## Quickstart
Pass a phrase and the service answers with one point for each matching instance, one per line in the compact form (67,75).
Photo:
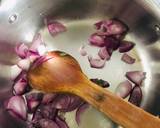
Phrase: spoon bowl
(62,73)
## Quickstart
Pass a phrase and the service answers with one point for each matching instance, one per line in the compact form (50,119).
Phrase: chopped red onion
(111,27)
(103,53)
(136,77)
(40,60)
(33,100)
(48,98)
(33,55)
(126,46)
(36,42)
(117,27)
(37,115)
(20,86)
(16,106)
(123,89)
(48,111)
(80,111)
(47,123)
(24,64)
(100,82)
(111,43)
(82,51)
(54,27)
(75,102)
(96,62)
(128,59)
(136,96)
(96,40)
(61,101)
(61,123)
(15,72)
(21,50)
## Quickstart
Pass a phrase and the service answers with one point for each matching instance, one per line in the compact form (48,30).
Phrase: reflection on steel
(137,14)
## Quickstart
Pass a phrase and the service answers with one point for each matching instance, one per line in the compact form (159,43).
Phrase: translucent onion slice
(123,89)
(80,111)
(21,50)
(54,27)
(136,77)
(96,62)
(136,96)
(128,59)
(16,106)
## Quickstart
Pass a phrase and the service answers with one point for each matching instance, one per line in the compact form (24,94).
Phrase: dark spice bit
(100,82)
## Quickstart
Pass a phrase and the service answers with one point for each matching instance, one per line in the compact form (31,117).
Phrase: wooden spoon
(62,73)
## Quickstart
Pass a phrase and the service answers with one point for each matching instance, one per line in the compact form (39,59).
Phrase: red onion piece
(36,42)
(80,111)
(61,101)
(117,27)
(37,115)
(61,123)
(33,55)
(40,60)
(98,24)
(128,59)
(54,27)
(82,51)
(96,40)
(33,100)
(20,86)
(21,50)
(136,77)
(136,96)
(75,102)
(16,106)
(126,46)
(96,62)
(103,53)
(48,111)
(123,89)
(112,43)
(47,123)
(15,72)
(24,64)
(100,82)
(112,27)
(48,98)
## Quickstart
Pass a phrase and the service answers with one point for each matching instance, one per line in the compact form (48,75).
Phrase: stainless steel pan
(21,19)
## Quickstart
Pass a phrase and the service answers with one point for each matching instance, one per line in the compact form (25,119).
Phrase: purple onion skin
(48,111)
(123,89)
(17,108)
(46,123)
(126,46)
(136,96)
(80,111)
(75,102)
(37,115)
(128,59)
(48,98)
(136,77)
(96,40)
(104,54)
(61,123)
(111,43)
(96,62)
(33,98)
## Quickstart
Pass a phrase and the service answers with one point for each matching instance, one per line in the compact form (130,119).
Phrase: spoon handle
(122,112)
